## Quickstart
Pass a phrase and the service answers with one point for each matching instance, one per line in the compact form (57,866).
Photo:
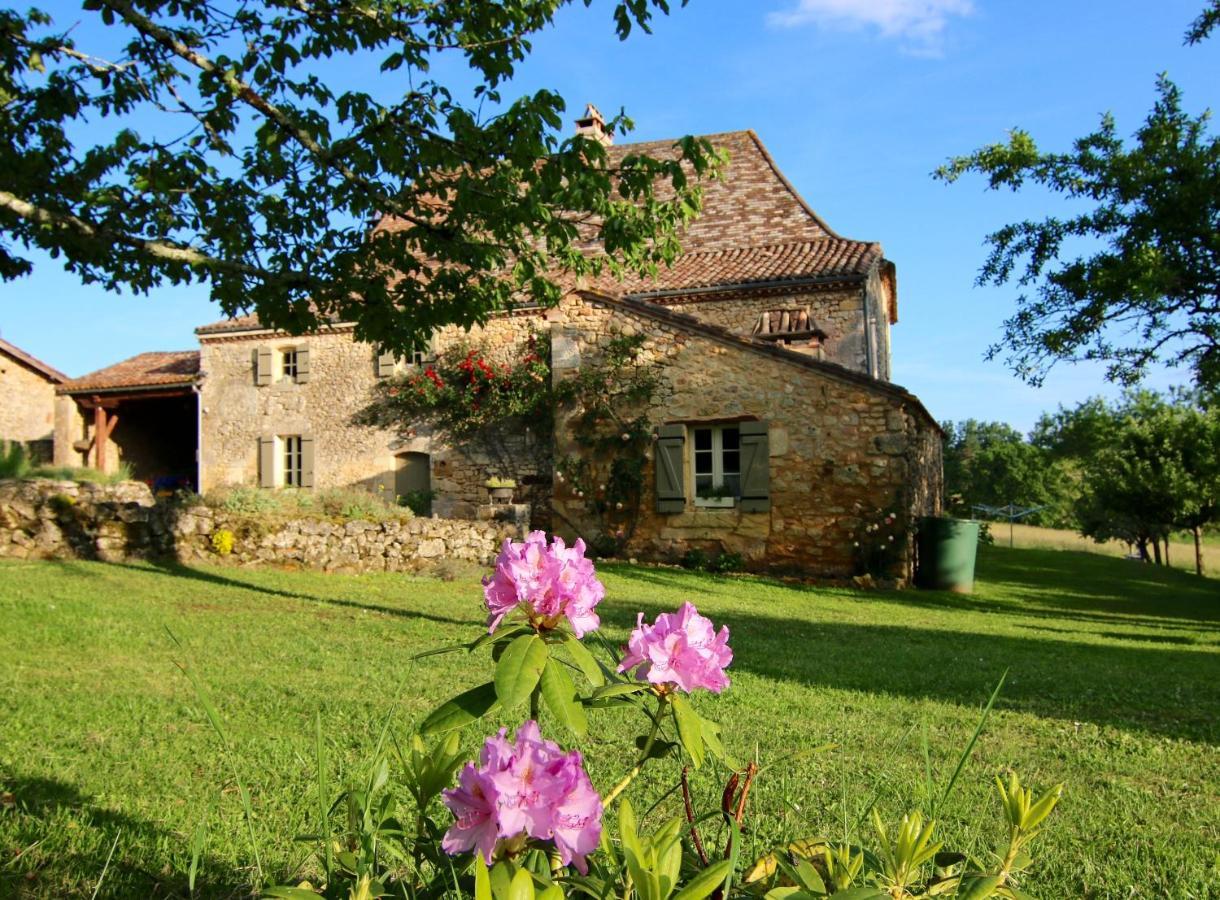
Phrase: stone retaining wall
(42,519)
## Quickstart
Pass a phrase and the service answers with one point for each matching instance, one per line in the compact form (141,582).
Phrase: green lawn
(1114,688)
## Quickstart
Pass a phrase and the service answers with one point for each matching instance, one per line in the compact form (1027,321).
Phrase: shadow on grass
(173,569)
(1066,674)
(64,840)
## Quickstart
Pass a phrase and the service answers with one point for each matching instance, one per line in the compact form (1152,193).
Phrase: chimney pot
(593,126)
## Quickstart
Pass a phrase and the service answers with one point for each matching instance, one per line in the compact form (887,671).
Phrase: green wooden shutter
(307,460)
(302,364)
(670,454)
(264,361)
(266,462)
(385,365)
(755,467)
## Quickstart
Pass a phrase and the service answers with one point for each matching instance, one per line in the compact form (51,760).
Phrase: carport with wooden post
(143,412)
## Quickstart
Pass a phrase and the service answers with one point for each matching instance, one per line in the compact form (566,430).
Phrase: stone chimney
(593,126)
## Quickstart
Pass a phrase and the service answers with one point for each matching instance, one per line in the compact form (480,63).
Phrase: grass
(1181,546)
(106,755)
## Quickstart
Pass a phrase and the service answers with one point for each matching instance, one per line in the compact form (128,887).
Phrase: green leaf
(519,669)
(585,661)
(522,886)
(560,696)
(861,893)
(809,878)
(463,709)
(482,884)
(979,888)
(706,881)
(618,689)
(690,728)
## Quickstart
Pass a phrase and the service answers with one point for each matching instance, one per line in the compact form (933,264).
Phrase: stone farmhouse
(27,412)
(771,332)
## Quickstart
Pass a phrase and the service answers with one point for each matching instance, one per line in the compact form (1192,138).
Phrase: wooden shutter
(670,454)
(755,467)
(302,364)
(307,445)
(266,462)
(264,362)
(385,365)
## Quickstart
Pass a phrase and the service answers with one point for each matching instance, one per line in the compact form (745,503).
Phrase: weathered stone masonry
(41,519)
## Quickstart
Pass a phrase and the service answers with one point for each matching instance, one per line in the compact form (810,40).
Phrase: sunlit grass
(1112,688)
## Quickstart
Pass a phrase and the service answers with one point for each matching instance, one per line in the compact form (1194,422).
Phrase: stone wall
(236,412)
(42,519)
(840,448)
(27,413)
(838,311)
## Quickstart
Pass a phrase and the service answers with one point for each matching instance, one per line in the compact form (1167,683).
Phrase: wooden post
(99,437)
(103,427)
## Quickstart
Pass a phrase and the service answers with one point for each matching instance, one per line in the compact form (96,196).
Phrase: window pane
(731,439)
(732,462)
(703,483)
(703,463)
(703,439)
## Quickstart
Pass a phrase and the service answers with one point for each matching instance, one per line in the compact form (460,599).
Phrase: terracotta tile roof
(154,370)
(821,258)
(49,372)
(754,228)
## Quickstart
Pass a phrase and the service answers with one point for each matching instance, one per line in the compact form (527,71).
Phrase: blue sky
(857,100)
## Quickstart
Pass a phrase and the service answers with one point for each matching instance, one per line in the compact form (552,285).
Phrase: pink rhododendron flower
(525,786)
(680,649)
(549,582)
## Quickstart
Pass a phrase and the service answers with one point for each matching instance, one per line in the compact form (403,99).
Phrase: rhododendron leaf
(626,829)
(979,888)
(861,893)
(482,883)
(659,748)
(706,881)
(501,876)
(463,709)
(584,659)
(522,886)
(808,877)
(552,892)
(618,689)
(519,669)
(787,893)
(560,695)
(690,728)
(500,636)
(711,737)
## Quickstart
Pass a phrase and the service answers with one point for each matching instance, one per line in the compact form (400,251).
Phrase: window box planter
(716,502)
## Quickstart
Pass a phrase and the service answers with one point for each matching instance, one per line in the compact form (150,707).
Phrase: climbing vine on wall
(503,409)
(608,403)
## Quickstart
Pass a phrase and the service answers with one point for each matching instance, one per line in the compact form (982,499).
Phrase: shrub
(223,541)
(524,821)
(728,562)
(14,460)
(419,502)
(694,559)
(244,500)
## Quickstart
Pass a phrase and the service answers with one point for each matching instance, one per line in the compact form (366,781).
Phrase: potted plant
(501,489)
(721,497)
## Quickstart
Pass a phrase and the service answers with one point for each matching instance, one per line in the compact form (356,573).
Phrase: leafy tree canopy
(216,145)
(1131,279)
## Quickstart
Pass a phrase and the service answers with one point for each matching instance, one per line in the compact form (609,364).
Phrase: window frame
(719,473)
(291,461)
(289,364)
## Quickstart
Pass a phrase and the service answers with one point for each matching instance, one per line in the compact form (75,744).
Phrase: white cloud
(919,24)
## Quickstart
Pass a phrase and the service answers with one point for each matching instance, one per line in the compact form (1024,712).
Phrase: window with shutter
(266,462)
(670,476)
(307,456)
(755,467)
(264,360)
(716,458)
(302,355)
(385,365)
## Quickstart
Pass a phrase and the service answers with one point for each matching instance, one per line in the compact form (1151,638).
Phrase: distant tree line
(1135,470)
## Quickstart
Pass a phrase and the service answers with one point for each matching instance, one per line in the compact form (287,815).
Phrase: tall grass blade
(218,726)
(961,763)
(323,795)
(105,868)
(197,844)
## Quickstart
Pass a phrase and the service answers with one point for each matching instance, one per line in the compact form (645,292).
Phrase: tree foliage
(218,145)
(1146,466)
(1129,277)
(991,463)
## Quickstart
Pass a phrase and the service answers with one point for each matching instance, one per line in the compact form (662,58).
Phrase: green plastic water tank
(947,548)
